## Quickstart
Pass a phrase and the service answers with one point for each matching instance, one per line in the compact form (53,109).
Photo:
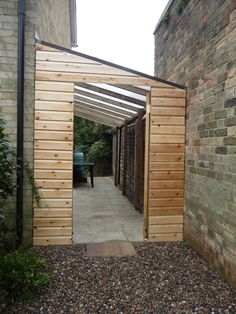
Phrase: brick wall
(8,95)
(198,49)
(53,22)
(49,26)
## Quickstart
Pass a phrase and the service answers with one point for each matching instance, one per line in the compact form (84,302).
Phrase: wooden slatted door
(53,162)
(166,164)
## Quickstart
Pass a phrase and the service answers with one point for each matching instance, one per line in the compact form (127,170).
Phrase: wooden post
(125,156)
(146,167)
(116,158)
(138,160)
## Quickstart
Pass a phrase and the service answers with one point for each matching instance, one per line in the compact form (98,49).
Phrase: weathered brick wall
(50,15)
(8,95)
(53,22)
(198,49)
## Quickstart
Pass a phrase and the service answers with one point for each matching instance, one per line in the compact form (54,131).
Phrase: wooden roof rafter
(102,110)
(98,118)
(107,100)
(111,93)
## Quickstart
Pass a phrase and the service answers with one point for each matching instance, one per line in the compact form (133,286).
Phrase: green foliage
(99,150)
(94,140)
(181,4)
(21,274)
(7,165)
(166,18)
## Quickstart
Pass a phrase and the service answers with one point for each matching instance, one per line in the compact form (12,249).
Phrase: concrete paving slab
(102,214)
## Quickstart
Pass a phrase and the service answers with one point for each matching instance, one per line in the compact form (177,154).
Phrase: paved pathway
(103,214)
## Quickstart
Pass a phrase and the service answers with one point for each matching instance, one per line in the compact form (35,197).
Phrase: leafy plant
(7,182)
(7,165)
(99,150)
(166,18)
(21,274)
(94,140)
(181,4)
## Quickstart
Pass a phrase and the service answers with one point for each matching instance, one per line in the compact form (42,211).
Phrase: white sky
(120,31)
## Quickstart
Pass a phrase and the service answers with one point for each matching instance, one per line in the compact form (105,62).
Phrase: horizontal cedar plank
(53,164)
(167,92)
(54,116)
(159,111)
(165,237)
(53,135)
(52,222)
(52,212)
(55,193)
(52,174)
(164,220)
(54,184)
(159,211)
(174,139)
(166,129)
(171,228)
(52,231)
(166,184)
(47,154)
(40,47)
(167,148)
(52,240)
(165,202)
(54,86)
(50,145)
(53,125)
(166,157)
(70,67)
(55,203)
(168,102)
(95,78)
(62,57)
(167,120)
(57,96)
(161,165)
(166,175)
(54,105)
(164,193)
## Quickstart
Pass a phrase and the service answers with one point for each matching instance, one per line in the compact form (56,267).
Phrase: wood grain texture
(166,169)
(56,73)
(65,240)
(168,237)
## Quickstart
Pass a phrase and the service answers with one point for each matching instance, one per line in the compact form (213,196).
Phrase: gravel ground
(161,278)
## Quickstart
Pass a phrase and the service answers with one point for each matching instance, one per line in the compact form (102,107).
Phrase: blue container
(79,158)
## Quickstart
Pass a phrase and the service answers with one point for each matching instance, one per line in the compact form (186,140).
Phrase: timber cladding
(56,73)
(166,165)
(53,162)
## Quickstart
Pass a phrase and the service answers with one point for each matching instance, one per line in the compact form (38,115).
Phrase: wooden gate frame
(58,71)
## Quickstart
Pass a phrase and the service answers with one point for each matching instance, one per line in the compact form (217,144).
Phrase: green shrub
(99,150)
(21,274)
(7,165)
(166,18)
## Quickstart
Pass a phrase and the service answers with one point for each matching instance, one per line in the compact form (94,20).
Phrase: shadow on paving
(161,278)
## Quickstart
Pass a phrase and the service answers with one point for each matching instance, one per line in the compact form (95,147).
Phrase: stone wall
(198,49)
(53,22)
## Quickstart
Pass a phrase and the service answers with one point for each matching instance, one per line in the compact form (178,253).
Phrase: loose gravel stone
(161,278)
